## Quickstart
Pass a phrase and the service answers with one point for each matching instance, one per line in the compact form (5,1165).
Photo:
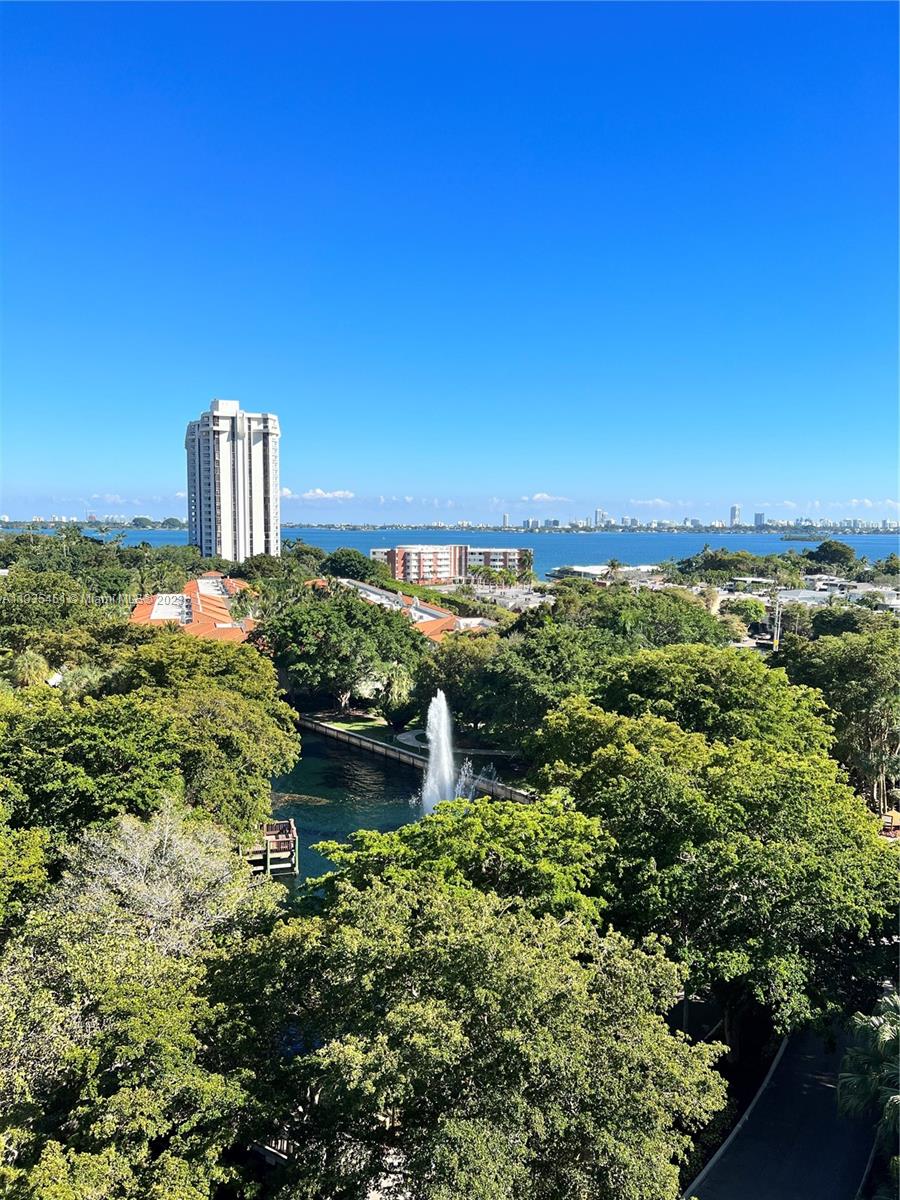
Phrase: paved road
(794,1145)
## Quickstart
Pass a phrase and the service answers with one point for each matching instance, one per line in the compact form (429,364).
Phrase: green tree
(746,608)
(28,669)
(331,642)
(834,619)
(395,697)
(174,661)
(347,563)
(24,859)
(857,675)
(720,565)
(643,617)
(836,555)
(890,565)
(109,1086)
(228,750)
(551,857)
(727,849)
(526,565)
(70,763)
(797,619)
(74,760)
(532,672)
(454,1044)
(869,1083)
(725,693)
(38,599)
(458,667)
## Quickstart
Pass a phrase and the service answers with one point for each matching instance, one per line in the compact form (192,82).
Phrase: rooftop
(201,609)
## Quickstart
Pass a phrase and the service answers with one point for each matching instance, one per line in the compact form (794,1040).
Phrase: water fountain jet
(441,779)
(440,776)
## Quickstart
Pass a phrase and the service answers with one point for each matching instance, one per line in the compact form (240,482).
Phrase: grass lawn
(366,726)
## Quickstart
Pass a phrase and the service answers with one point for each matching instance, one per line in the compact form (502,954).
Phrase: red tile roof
(210,615)
(435,630)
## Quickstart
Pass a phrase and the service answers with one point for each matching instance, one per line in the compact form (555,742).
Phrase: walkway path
(794,1145)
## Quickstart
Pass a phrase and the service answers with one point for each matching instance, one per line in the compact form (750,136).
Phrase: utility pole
(776,621)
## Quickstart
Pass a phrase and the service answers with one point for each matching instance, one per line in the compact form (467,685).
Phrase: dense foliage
(480,1003)
(857,673)
(330,644)
(456,1044)
(727,848)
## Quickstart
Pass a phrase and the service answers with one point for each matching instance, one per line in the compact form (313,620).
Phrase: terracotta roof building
(202,609)
(431,621)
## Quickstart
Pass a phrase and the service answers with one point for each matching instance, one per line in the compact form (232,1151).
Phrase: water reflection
(334,790)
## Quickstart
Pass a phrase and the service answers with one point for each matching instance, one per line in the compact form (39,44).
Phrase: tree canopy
(727,849)
(724,693)
(857,675)
(109,1085)
(331,643)
(551,857)
(454,1043)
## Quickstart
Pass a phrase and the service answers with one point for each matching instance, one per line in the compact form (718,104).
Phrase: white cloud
(109,497)
(546,498)
(180,495)
(319,494)
(656,502)
(409,499)
(864,503)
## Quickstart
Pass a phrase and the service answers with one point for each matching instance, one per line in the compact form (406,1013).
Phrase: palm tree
(81,681)
(869,1082)
(396,690)
(28,669)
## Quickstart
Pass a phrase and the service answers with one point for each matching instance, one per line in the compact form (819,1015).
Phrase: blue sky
(478,258)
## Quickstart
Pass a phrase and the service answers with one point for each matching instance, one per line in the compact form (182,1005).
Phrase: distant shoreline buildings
(233,489)
(446,564)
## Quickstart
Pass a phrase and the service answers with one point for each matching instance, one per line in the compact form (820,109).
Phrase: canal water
(334,790)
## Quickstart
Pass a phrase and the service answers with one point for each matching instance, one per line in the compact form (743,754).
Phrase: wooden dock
(278,851)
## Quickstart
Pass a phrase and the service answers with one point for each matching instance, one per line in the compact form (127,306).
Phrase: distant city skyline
(494,512)
(532,259)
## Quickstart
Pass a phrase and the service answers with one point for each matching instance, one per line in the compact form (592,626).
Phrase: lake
(334,790)
(555,549)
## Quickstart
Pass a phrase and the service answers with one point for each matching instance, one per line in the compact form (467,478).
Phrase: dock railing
(486,787)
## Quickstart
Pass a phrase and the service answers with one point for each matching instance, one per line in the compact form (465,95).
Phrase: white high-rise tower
(233,491)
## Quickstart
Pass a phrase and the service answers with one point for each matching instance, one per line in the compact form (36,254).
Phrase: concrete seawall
(490,787)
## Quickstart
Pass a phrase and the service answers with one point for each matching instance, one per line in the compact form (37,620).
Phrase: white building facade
(233,489)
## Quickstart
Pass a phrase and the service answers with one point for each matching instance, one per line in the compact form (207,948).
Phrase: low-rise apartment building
(445,564)
(202,609)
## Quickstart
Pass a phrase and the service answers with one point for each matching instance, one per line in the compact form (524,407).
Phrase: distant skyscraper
(233,489)
(759,520)
(735,518)
(506,520)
